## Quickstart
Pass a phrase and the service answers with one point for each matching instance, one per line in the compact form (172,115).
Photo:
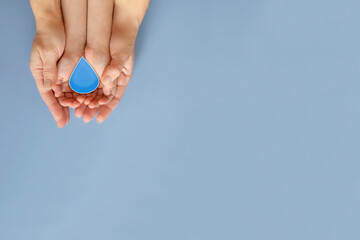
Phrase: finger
(80,98)
(106,99)
(113,70)
(95,102)
(109,89)
(124,77)
(62,123)
(89,97)
(74,104)
(106,110)
(57,90)
(64,101)
(48,97)
(55,108)
(121,66)
(49,60)
(89,114)
(122,43)
(127,71)
(68,98)
(66,66)
(123,80)
(66,88)
(67,115)
(36,68)
(71,103)
(79,111)
(121,62)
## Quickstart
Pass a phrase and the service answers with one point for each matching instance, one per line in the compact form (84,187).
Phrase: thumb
(66,66)
(113,70)
(49,70)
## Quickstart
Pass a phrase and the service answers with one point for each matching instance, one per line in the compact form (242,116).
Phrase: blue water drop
(83,79)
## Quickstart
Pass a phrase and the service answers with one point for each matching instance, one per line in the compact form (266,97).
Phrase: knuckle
(114,71)
(49,68)
(49,72)
(35,70)
(124,80)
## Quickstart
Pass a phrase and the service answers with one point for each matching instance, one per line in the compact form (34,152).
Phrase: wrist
(131,12)
(75,47)
(47,15)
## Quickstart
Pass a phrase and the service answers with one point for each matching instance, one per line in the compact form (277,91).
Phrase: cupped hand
(96,53)
(65,95)
(127,17)
(109,32)
(75,19)
(47,48)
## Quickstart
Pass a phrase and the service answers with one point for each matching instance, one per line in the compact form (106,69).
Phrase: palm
(88,104)
(67,97)
(46,50)
(104,110)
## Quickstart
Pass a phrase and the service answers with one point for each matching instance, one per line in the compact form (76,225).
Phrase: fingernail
(47,83)
(108,79)
(99,120)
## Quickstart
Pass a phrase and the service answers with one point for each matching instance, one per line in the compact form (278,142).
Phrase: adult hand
(47,48)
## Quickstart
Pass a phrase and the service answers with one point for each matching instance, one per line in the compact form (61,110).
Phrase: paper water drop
(83,79)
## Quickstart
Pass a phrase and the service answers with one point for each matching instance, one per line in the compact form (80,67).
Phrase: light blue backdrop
(241,122)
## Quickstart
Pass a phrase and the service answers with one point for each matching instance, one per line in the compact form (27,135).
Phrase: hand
(49,44)
(97,51)
(75,26)
(127,18)
(74,15)
(47,48)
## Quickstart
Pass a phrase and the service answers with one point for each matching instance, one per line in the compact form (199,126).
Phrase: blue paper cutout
(83,79)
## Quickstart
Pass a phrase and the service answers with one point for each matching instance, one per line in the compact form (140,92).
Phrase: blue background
(241,122)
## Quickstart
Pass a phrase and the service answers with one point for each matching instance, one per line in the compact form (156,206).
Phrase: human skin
(107,40)
(127,17)
(96,33)
(48,46)
(70,18)
(97,52)
(75,19)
